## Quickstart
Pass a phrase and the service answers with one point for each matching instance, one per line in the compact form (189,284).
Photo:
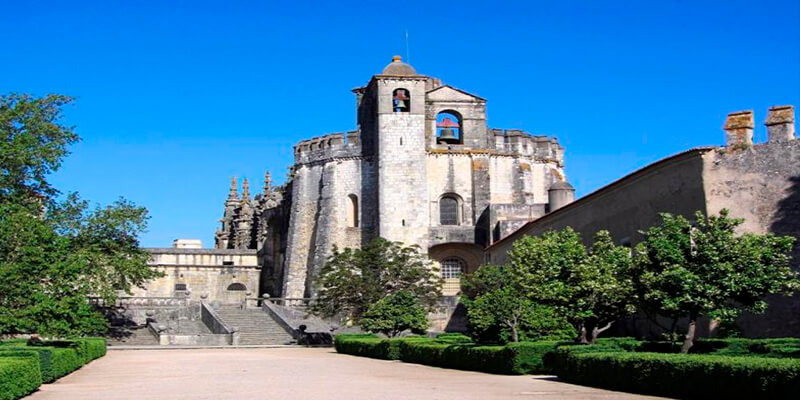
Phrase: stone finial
(267,182)
(245,189)
(234,188)
(780,123)
(739,128)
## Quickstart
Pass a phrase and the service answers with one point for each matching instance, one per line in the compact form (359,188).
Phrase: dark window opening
(352,211)
(401,100)
(227,263)
(448,211)
(180,286)
(237,287)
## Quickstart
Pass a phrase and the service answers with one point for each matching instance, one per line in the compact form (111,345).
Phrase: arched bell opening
(449,128)
(401,100)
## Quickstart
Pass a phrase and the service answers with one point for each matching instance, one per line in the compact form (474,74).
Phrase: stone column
(780,124)
(739,129)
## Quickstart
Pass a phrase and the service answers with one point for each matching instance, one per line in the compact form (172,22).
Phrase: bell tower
(403,210)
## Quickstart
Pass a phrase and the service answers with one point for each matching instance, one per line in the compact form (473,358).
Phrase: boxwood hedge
(679,375)
(19,374)
(451,351)
(52,359)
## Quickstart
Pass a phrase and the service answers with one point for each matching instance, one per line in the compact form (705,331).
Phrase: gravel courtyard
(291,374)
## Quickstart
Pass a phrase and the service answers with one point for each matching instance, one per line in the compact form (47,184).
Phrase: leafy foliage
(500,312)
(705,269)
(33,145)
(354,279)
(19,375)
(680,375)
(590,288)
(394,314)
(54,253)
(513,358)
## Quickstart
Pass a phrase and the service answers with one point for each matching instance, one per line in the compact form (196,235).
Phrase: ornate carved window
(401,100)
(452,267)
(448,210)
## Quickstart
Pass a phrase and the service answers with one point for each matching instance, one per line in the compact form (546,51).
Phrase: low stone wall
(315,331)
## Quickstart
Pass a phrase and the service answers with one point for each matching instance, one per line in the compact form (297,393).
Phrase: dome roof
(399,68)
(561,185)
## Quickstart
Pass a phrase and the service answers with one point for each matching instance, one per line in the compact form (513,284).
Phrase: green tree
(353,279)
(590,288)
(33,145)
(498,311)
(54,253)
(603,288)
(686,269)
(395,313)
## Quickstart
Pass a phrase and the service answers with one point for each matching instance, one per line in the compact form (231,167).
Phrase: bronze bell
(400,104)
(447,134)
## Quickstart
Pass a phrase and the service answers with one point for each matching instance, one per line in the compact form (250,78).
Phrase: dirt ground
(291,374)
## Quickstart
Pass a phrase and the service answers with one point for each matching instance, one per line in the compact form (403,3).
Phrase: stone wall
(627,205)
(206,274)
(761,184)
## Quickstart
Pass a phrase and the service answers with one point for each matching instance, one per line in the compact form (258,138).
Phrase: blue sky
(174,98)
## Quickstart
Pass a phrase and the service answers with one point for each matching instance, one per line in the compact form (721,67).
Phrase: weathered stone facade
(191,272)
(422,167)
(757,182)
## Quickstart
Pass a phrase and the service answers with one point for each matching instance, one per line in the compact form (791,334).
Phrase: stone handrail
(143,301)
(297,302)
(216,325)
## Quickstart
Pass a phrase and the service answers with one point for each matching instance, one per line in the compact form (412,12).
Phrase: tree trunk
(514,335)
(582,339)
(690,332)
(597,331)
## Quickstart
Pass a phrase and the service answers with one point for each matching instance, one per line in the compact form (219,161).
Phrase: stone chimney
(739,128)
(780,123)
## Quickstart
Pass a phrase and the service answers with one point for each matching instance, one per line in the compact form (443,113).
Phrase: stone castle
(422,167)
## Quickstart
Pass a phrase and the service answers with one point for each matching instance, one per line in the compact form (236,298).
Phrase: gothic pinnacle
(267,182)
(245,189)
(233,192)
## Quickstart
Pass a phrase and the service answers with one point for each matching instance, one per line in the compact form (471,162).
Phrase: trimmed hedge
(450,352)
(777,348)
(19,374)
(514,358)
(54,358)
(679,375)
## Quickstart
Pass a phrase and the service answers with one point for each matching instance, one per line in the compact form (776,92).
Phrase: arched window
(401,100)
(448,210)
(237,287)
(452,267)
(352,211)
(449,128)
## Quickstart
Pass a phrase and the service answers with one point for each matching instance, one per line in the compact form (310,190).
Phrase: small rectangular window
(227,263)
(180,286)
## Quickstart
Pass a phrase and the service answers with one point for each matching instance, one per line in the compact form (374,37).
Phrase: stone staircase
(131,337)
(256,327)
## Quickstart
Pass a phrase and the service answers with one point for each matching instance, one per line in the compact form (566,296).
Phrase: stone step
(255,326)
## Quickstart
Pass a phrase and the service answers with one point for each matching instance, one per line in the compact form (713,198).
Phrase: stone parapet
(518,142)
(335,145)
